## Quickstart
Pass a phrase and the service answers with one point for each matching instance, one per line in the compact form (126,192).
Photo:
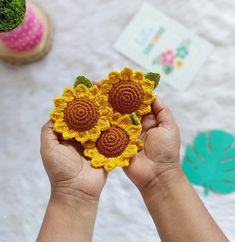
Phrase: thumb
(162,114)
(48,137)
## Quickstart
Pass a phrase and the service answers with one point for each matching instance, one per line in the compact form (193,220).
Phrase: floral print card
(160,44)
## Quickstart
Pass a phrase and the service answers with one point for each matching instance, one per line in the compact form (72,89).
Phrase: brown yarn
(112,142)
(81,114)
(126,97)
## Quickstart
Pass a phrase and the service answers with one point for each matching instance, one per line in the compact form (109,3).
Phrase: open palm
(67,169)
(161,146)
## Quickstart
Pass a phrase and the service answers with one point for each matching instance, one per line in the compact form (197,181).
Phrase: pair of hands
(155,170)
(71,174)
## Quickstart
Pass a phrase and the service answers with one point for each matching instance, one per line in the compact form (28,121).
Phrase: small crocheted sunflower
(116,144)
(130,91)
(81,112)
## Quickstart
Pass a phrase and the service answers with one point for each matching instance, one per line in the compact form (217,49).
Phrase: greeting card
(159,43)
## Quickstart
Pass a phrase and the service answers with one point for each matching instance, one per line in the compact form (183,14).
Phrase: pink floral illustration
(167,57)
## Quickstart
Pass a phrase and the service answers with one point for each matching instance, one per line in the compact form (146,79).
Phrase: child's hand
(161,147)
(69,172)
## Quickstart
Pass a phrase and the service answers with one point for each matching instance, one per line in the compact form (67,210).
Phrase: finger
(48,137)
(148,122)
(162,114)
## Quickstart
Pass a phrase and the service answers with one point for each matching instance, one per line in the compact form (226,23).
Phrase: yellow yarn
(89,114)
(134,145)
(80,92)
(137,78)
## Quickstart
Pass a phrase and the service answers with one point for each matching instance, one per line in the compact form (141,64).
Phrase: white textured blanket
(83,44)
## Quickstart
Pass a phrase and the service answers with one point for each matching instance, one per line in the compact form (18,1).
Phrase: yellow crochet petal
(103,124)
(138,75)
(113,77)
(60,102)
(88,144)
(138,143)
(143,109)
(101,100)
(94,133)
(124,121)
(105,88)
(123,162)
(90,153)
(60,127)
(94,90)
(104,81)
(69,93)
(98,161)
(90,96)
(110,164)
(57,114)
(109,114)
(105,111)
(130,151)
(81,90)
(134,131)
(69,134)
(126,74)
(147,84)
(148,97)
(116,116)
(82,136)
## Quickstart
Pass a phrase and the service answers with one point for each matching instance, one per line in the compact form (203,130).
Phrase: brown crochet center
(81,114)
(126,97)
(112,142)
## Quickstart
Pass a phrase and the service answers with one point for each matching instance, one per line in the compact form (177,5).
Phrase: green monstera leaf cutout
(210,162)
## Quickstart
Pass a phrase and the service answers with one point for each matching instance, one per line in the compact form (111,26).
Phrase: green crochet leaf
(135,119)
(155,77)
(210,161)
(12,13)
(82,80)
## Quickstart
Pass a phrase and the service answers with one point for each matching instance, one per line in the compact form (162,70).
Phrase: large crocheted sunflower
(130,91)
(81,113)
(116,145)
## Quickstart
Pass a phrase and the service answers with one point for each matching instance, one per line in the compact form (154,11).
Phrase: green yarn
(12,13)
(155,77)
(135,119)
(82,80)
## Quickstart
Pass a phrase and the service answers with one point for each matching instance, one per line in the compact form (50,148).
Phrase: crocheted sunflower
(130,91)
(81,112)
(107,120)
(116,144)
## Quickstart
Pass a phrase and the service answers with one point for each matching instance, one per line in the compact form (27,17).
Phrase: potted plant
(25,31)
